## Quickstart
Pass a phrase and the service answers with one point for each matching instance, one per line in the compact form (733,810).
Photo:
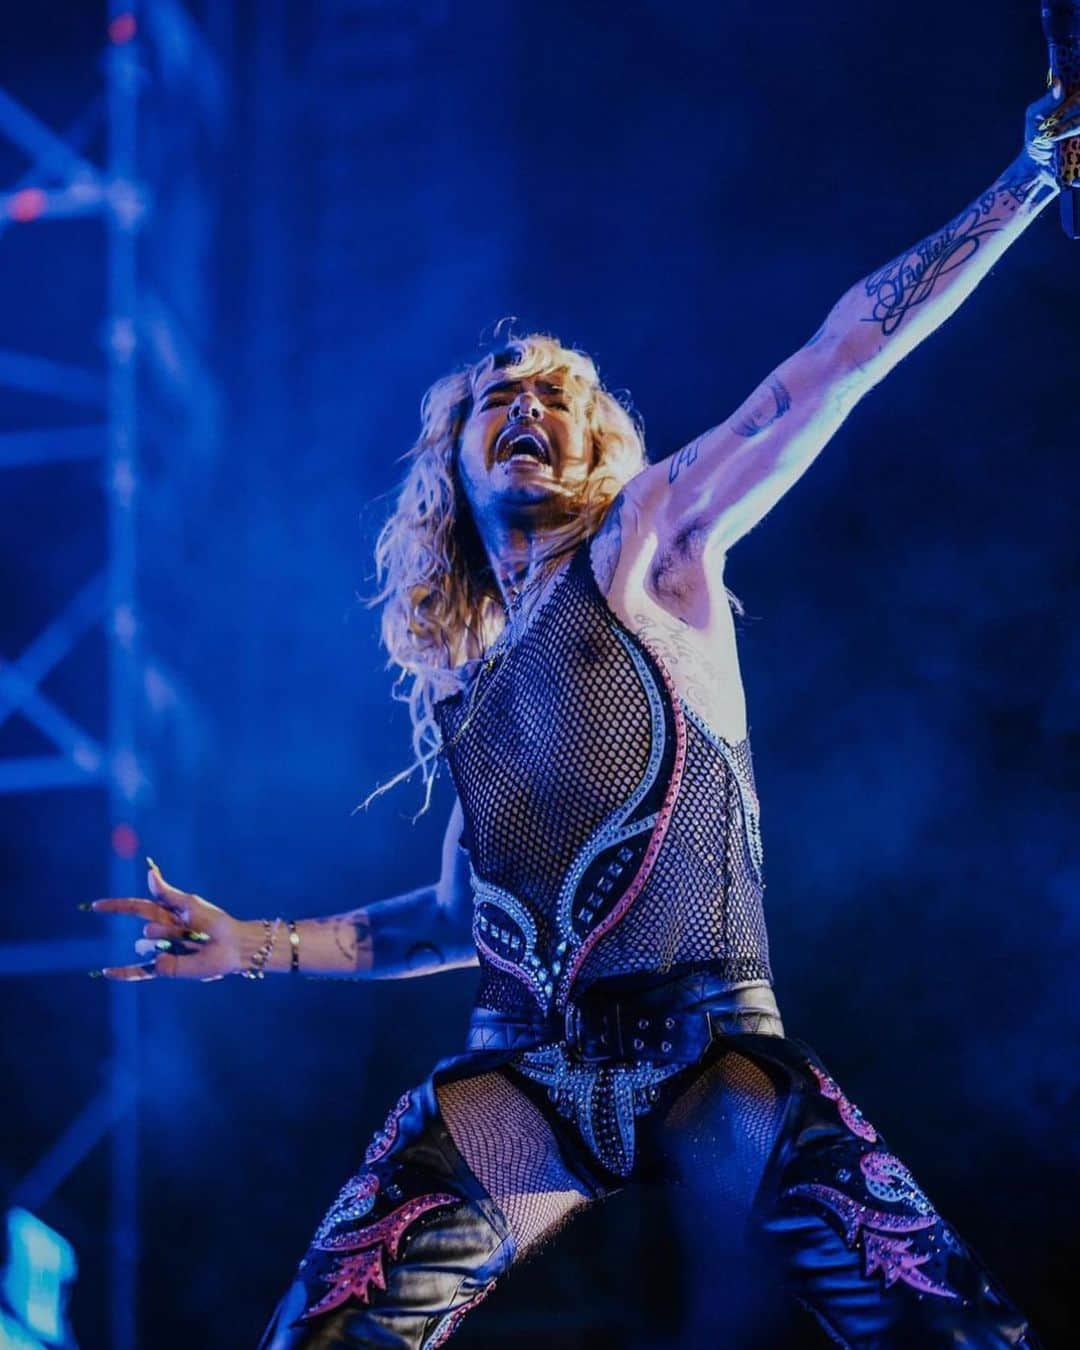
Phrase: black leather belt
(672,1023)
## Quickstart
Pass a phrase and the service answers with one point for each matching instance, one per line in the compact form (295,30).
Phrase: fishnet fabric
(547,745)
(502,991)
(722,1129)
(702,904)
(512,1152)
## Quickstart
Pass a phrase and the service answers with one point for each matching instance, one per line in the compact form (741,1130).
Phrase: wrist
(1030,176)
(259,947)
(284,957)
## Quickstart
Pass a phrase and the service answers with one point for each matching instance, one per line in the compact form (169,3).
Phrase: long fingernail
(193,935)
(85,904)
(95,974)
(152,863)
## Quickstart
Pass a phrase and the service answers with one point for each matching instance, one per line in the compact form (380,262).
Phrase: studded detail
(385,1138)
(356,1201)
(361,1265)
(850,1114)
(609,830)
(602,1100)
(897,1245)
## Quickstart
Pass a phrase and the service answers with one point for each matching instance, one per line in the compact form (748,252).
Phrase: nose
(526,405)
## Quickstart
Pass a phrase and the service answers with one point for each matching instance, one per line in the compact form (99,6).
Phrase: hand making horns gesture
(187,937)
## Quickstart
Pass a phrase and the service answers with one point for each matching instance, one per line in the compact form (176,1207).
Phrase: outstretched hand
(186,936)
(1049,121)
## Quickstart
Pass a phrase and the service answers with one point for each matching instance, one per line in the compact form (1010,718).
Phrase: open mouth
(523,442)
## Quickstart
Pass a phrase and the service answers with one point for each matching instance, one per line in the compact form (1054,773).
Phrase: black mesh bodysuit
(616,864)
(610,831)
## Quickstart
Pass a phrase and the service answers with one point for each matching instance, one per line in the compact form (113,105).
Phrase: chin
(525,494)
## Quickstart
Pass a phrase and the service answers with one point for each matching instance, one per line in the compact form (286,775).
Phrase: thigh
(709,1144)
(782,1186)
(463,1179)
(858,1243)
(518,1153)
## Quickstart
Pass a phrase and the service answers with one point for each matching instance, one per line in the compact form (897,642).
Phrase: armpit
(676,569)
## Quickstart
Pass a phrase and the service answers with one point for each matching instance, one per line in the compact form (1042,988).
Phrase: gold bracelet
(259,958)
(294,948)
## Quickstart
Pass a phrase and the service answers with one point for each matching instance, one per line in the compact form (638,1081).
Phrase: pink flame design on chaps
(362,1265)
(886,1240)
(450,1324)
(384,1139)
(850,1114)
(891,1255)
(888,1179)
(355,1275)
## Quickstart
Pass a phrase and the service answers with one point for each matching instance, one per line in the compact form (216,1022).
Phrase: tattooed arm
(416,933)
(711,492)
(887,314)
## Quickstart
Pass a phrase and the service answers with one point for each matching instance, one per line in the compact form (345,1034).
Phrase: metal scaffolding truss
(161,80)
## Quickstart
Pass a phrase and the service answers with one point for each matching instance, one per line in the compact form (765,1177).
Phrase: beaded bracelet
(259,958)
(294,948)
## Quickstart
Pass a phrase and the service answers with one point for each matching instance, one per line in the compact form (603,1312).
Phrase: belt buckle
(572,1026)
(600,1040)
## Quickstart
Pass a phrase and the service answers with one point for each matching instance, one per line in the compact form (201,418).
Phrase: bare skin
(659,555)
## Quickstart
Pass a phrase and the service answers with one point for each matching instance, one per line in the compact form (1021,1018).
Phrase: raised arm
(711,492)
(416,933)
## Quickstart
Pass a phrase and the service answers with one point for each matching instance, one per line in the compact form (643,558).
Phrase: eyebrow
(512,386)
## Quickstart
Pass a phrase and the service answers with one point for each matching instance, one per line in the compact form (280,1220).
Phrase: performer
(557,608)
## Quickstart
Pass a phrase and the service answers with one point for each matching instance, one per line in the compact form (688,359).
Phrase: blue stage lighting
(39,1270)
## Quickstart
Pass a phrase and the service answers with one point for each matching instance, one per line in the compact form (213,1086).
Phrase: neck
(519,556)
(517,562)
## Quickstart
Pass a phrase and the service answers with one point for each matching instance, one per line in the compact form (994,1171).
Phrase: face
(525,444)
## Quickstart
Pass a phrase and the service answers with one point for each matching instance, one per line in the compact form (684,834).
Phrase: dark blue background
(683,191)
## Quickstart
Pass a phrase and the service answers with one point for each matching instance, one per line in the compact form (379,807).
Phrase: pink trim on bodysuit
(502,963)
(660,829)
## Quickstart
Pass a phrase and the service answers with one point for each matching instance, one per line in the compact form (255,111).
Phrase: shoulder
(624,538)
(637,562)
(605,546)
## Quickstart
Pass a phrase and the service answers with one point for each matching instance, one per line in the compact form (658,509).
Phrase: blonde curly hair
(441,605)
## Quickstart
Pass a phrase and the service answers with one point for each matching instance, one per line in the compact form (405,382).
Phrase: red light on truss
(122,28)
(27,204)
(125,841)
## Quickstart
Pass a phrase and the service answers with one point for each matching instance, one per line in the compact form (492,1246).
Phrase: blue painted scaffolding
(162,114)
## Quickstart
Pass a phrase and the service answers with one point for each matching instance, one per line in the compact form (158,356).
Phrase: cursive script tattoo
(911,279)
(606,545)
(688,659)
(684,458)
(764,407)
